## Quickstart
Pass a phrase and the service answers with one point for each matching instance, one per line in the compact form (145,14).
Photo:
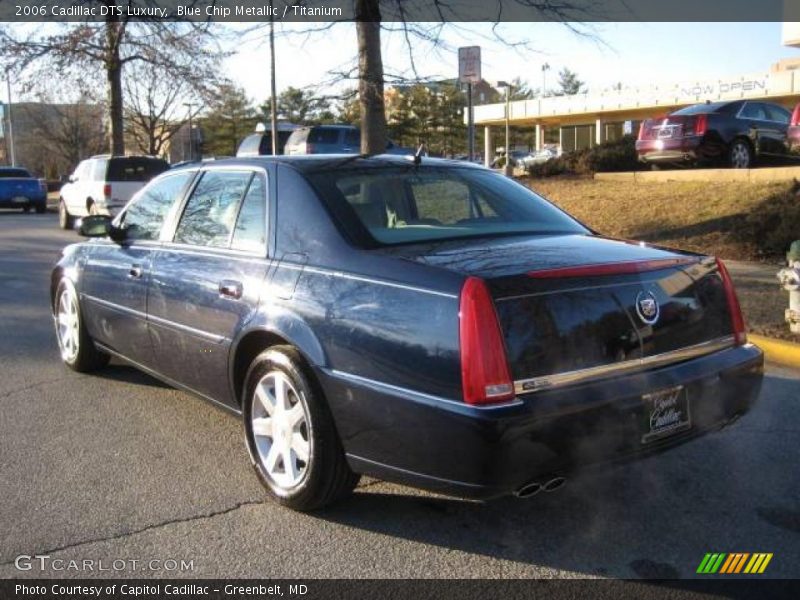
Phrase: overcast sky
(633,53)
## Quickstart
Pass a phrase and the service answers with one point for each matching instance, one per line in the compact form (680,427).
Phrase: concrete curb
(763,174)
(779,351)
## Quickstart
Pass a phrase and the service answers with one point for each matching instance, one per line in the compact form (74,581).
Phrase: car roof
(309,163)
(328,126)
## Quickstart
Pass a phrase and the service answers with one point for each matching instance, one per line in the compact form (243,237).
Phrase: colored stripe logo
(733,563)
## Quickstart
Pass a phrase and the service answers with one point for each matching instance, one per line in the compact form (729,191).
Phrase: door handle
(230,288)
(135,272)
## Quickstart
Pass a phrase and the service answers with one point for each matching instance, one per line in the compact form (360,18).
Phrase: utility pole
(10,122)
(273,94)
(189,105)
(470,125)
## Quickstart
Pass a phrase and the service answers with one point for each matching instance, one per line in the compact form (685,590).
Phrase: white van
(104,184)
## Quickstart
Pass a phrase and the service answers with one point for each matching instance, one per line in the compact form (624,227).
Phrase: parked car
(793,133)
(737,133)
(540,156)
(429,322)
(517,158)
(104,184)
(332,139)
(260,143)
(20,189)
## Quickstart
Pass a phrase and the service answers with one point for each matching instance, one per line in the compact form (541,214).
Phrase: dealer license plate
(666,412)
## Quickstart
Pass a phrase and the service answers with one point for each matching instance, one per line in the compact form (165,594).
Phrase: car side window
(250,233)
(754,110)
(82,172)
(777,113)
(99,170)
(324,135)
(144,218)
(352,137)
(211,210)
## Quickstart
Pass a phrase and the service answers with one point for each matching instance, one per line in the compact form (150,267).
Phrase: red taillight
(700,124)
(107,190)
(484,371)
(642,129)
(737,320)
(795,116)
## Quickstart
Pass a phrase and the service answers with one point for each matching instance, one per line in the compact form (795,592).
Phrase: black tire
(740,155)
(41,209)
(65,220)
(26,209)
(326,476)
(87,357)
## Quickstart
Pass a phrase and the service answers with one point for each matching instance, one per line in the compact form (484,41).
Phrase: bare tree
(423,23)
(158,105)
(111,46)
(56,136)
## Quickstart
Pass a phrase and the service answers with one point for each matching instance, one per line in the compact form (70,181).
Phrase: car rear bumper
(22,201)
(669,150)
(461,450)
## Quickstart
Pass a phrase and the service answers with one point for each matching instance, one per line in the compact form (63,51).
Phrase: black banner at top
(406,10)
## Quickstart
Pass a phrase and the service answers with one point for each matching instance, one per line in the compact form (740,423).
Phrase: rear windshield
(135,169)
(701,109)
(14,173)
(388,206)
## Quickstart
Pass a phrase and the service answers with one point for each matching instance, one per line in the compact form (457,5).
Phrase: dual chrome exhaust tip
(531,489)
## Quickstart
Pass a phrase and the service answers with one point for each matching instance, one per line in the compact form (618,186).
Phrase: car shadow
(652,518)
(124,373)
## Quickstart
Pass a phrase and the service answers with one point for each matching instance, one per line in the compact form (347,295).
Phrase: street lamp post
(545,69)
(11,150)
(507,168)
(189,105)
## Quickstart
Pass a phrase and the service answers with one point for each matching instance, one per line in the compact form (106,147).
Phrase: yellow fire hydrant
(789,277)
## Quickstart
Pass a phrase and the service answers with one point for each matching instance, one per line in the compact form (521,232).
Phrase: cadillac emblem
(647,307)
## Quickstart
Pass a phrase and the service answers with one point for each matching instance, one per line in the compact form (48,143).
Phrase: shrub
(619,155)
(773,225)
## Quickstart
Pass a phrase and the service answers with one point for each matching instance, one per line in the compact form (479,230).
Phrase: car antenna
(419,153)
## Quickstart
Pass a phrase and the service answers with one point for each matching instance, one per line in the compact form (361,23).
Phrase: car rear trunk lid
(570,328)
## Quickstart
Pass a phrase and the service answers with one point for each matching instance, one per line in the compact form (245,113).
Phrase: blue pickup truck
(19,189)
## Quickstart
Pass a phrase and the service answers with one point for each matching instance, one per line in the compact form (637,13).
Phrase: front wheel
(64,218)
(741,155)
(77,348)
(290,433)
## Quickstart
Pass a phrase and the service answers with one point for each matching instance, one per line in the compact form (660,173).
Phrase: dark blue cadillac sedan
(427,322)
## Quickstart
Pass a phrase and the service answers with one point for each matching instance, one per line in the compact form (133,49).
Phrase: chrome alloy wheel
(740,156)
(68,325)
(281,430)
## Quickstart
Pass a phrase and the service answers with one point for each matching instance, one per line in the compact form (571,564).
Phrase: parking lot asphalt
(116,466)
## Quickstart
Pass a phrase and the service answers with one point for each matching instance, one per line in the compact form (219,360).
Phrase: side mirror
(95,226)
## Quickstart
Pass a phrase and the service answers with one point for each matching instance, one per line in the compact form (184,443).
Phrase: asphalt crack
(32,386)
(119,536)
